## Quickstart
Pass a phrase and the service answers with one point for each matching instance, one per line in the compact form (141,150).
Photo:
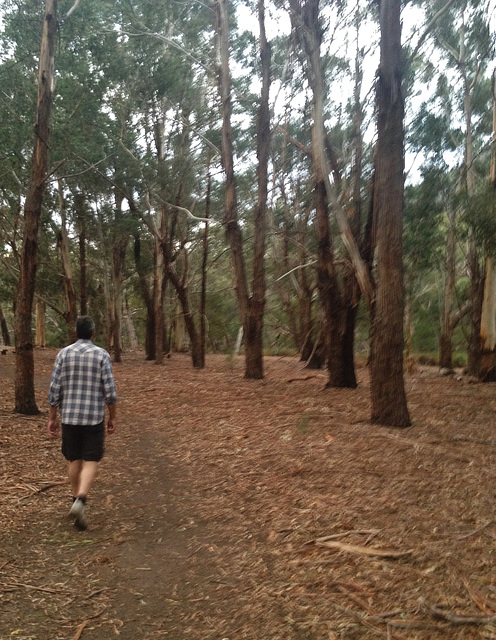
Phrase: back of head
(84,327)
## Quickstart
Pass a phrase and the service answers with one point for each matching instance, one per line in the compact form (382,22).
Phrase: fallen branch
(457,619)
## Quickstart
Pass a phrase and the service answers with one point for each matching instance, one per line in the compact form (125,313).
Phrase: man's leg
(87,476)
(82,477)
(75,467)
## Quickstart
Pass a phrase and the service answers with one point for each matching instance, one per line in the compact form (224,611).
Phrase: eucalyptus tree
(25,401)
(251,305)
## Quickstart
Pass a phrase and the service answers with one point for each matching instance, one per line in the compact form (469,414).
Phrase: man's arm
(111,424)
(52,421)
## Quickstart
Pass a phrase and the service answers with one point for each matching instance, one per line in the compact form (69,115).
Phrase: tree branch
(429,27)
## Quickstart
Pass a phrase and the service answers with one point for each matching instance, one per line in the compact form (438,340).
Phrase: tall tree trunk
(306,19)
(231,223)
(389,405)
(25,401)
(256,307)
(203,293)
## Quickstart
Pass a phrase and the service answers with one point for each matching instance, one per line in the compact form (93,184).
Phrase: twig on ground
(475,531)
(34,587)
(334,536)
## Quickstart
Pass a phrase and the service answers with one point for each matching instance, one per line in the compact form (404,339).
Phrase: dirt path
(218,496)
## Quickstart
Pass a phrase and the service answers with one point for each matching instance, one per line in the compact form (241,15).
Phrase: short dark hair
(84,327)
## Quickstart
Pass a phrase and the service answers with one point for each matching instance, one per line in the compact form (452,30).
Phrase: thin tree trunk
(70,294)
(118,261)
(389,406)
(40,325)
(83,264)
(25,401)
(4,328)
(231,224)
(158,301)
(131,331)
(256,307)
(446,337)
(203,294)
(147,299)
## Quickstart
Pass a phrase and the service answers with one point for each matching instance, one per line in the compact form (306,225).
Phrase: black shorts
(83,442)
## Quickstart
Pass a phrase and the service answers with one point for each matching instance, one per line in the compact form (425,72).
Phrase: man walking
(82,384)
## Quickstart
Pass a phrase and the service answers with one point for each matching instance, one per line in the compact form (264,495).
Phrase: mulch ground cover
(234,509)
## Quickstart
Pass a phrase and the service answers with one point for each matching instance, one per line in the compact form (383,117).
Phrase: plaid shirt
(82,383)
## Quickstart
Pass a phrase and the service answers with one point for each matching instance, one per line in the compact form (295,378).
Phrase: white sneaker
(78,511)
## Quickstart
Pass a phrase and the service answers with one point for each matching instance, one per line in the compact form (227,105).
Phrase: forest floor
(262,510)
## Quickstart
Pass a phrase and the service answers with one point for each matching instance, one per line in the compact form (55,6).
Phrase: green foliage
(136,117)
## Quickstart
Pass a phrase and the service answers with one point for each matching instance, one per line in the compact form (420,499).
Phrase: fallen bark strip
(79,630)
(366,551)
(454,618)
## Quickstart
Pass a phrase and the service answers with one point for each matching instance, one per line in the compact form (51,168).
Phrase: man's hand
(52,427)
(111,425)
(52,421)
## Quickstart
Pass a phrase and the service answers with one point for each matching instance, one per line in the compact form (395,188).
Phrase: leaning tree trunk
(183,295)
(25,401)
(389,406)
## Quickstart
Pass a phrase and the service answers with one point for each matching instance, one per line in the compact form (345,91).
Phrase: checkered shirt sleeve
(82,383)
